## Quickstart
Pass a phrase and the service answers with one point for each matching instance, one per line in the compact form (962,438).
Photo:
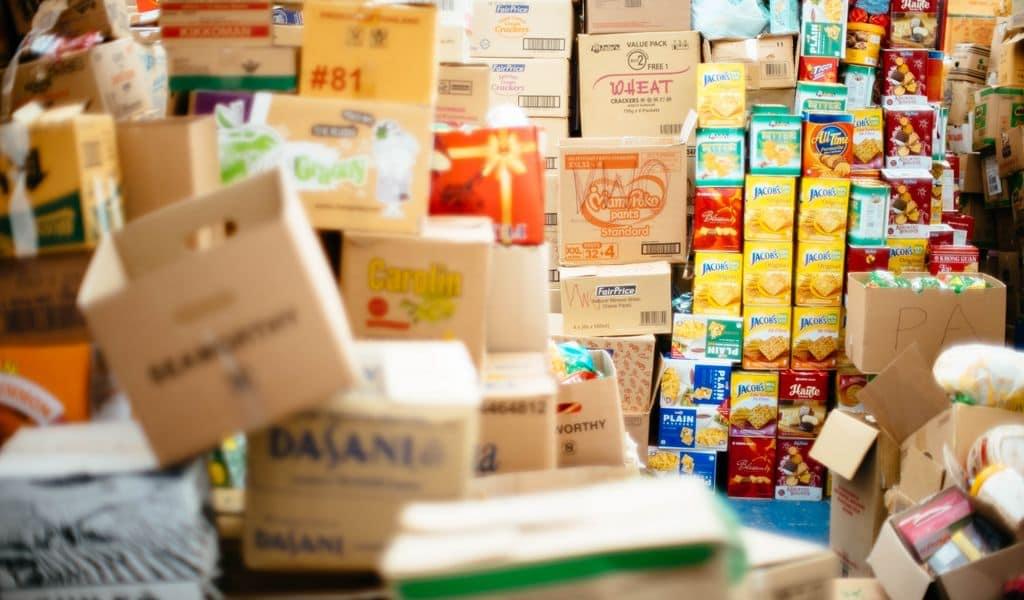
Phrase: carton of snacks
(618,299)
(849,382)
(701,337)
(717,283)
(860,86)
(816,97)
(717,218)
(721,94)
(518,302)
(868,140)
(819,273)
(768,273)
(797,476)
(815,337)
(908,137)
(904,75)
(751,467)
(325,488)
(770,59)
(754,404)
(492,172)
(263,347)
(953,259)
(996,110)
(463,94)
(914,24)
(868,217)
(540,29)
(640,83)
(766,335)
(44,384)
(910,202)
(775,144)
(620,201)
(907,254)
(842,359)
(720,157)
(803,402)
(427,287)
(822,209)
(675,462)
(862,259)
(828,144)
(590,429)
(539,86)
(692,395)
(819,69)
(62,185)
(822,39)
(770,205)
(943,190)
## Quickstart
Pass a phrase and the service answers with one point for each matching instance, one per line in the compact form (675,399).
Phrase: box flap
(904,396)
(920,476)
(843,443)
(984,578)
(857,588)
(896,568)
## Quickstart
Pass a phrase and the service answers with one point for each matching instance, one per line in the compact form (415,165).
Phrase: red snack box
(904,77)
(939,235)
(929,525)
(954,164)
(908,137)
(935,75)
(864,259)
(803,397)
(751,467)
(797,475)
(497,173)
(914,24)
(717,218)
(960,221)
(819,68)
(953,259)
(849,383)
(910,201)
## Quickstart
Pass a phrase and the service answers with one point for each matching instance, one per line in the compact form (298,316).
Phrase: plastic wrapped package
(1002,445)
(983,375)
(716,19)
(571,362)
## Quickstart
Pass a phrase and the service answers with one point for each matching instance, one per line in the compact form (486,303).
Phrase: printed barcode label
(655,249)
(550,219)
(455,87)
(22,319)
(553,276)
(550,162)
(540,101)
(545,44)
(91,155)
(653,317)
(634,4)
(447,5)
(671,128)
(778,69)
(995,186)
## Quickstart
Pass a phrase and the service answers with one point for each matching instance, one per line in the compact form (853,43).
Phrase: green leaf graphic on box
(245,148)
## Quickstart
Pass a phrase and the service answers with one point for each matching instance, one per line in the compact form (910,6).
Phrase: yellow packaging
(819,273)
(815,337)
(722,94)
(766,331)
(768,206)
(768,273)
(822,210)
(906,254)
(754,405)
(717,283)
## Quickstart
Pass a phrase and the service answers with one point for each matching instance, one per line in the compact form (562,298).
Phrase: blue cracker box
(677,427)
(692,394)
(699,464)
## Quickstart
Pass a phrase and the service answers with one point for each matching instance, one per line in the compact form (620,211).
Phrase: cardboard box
(996,109)
(517,416)
(553,133)
(961,104)
(43,385)
(264,347)
(421,288)
(862,588)
(463,94)
(109,18)
(771,59)
(1010,151)
(590,426)
(189,165)
(517,305)
(1010,68)
(372,52)
(783,567)
(204,23)
(637,84)
(609,215)
(625,16)
(333,152)
(337,478)
(617,299)
(970,174)
(881,322)
(286,36)
(70,195)
(551,226)
(539,86)
(232,68)
(37,299)
(453,39)
(527,29)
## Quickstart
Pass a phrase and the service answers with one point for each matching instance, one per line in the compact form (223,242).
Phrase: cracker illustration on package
(768,213)
(775,144)
(767,273)
(907,254)
(819,273)
(754,404)
(824,203)
(766,333)
(717,283)
(720,157)
(815,337)
(721,94)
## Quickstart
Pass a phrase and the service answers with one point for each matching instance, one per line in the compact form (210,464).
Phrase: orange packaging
(717,218)
(828,144)
(43,384)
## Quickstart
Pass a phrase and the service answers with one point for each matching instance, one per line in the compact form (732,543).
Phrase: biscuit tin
(828,144)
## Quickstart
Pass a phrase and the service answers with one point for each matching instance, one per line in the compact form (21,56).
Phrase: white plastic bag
(717,19)
(983,375)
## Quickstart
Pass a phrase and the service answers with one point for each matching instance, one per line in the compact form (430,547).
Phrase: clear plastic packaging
(716,19)
(983,375)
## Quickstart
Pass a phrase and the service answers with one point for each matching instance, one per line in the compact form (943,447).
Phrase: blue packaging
(699,464)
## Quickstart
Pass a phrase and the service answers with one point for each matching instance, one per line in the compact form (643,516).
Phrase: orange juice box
(768,273)
(722,95)
(815,337)
(822,210)
(43,385)
(906,254)
(717,283)
(819,273)
(769,208)
(766,332)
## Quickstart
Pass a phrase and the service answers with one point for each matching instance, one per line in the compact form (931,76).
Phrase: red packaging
(864,259)
(751,467)
(849,383)
(797,475)
(910,200)
(940,236)
(960,221)
(819,69)
(943,189)
(904,77)
(930,524)
(914,24)
(954,163)
(908,137)
(497,173)
(934,81)
(803,396)
(953,259)
(717,218)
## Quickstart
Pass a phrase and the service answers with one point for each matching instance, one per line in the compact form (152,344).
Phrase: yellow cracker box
(819,273)
(766,337)
(768,273)
(815,337)
(769,206)
(906,254)
(754,405)
(722,94)
(717,281)
(822,210)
